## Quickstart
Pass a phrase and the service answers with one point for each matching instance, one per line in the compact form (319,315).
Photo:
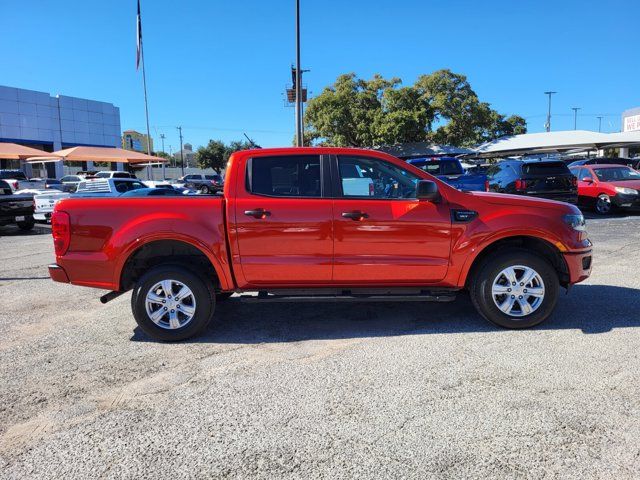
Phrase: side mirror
(427,190)
(587,180)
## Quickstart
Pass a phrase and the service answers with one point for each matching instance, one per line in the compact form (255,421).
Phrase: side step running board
(424,296)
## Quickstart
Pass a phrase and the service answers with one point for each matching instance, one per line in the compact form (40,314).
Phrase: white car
(114,174)
(106,187)
(45,202)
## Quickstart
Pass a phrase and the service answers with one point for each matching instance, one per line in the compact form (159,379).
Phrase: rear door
(283,221)
(387,237)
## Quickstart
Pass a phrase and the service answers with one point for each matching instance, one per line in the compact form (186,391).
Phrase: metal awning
(556,142)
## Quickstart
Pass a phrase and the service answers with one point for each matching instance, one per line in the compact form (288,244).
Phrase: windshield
(619,174)
(439,167)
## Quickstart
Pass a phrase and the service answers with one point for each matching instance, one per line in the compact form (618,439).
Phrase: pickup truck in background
(290,228)
(15,208)
(451,171)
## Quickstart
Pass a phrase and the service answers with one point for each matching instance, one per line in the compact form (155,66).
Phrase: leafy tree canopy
(440,108)
(216,153)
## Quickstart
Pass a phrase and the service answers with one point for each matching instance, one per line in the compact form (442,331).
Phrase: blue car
(450,170)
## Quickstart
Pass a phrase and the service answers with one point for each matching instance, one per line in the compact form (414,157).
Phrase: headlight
(575,221)
(627,191)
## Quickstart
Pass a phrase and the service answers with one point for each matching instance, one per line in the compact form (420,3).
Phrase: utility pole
(599,124)
(299,139)
(162,137)
(181,152)
(548,125)
(575,117)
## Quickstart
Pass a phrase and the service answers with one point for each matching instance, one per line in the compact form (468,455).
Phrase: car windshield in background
(616,174)
(545,168)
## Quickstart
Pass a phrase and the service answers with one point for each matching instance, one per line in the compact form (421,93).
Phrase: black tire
(205,301)
(222,296)
(204,190)
(482,282)
(26,225)
(603,205)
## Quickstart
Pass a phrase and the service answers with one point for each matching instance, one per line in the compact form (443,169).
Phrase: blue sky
(219,68)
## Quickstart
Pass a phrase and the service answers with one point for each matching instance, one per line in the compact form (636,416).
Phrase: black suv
(538,178)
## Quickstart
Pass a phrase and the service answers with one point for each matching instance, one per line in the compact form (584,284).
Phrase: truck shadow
(590,308)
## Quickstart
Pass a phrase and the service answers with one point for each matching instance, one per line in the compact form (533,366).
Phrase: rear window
(439,167)
(545,168)
(287,176)
(15,174)
(122,187)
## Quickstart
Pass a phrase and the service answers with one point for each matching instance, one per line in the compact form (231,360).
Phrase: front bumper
(579,265)
(622,200)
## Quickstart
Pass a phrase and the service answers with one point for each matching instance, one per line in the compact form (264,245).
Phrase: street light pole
(299,139)
(549,111)
(599,124)
(181,152)
(162,137)
(575,117)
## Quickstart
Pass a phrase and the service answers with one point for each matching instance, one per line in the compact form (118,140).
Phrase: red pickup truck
(289,227)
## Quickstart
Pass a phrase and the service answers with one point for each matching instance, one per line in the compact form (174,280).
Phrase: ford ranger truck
(288,227)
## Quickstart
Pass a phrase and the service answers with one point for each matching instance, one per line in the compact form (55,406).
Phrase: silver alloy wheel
(518,291)
(170,304)
(603,204)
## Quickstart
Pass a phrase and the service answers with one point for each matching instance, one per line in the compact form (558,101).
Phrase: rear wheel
(603,204)
(26,225)
(171,303)
(515,289)
(204,189)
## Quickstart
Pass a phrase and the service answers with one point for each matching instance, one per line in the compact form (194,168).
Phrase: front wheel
(171,303)
(603,204)
(515,289)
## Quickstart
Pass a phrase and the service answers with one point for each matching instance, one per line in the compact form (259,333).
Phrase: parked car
(550,179)
(44,203)
(107,187)
(13,178)
(15,208)
(152,192)
(603,161)
(114,174)
(288,229)
(451,171)
(607,187)
(203,183)
(72,181)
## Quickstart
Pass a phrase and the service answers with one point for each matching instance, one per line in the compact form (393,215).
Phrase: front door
(383,234)
(283,223)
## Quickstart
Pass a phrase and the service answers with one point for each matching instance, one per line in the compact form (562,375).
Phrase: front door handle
(355,215)
(257,213)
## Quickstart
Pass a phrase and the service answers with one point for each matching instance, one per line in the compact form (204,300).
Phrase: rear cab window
(285,176)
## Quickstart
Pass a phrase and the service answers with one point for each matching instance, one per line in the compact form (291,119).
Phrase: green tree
(216,153)
(367,113)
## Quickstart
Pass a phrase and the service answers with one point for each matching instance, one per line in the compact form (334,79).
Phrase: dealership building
(630,123)
(49,123)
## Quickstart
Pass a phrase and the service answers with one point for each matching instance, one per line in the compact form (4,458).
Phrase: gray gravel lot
(391,390)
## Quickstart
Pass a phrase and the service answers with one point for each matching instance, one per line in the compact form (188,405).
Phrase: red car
(290,226)
(607,187)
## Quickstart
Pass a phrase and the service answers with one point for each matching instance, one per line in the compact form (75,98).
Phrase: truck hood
(524,201)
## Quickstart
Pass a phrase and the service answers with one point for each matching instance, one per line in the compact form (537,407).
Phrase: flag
(139,39)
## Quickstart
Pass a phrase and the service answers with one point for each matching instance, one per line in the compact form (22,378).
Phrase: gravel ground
(391,390)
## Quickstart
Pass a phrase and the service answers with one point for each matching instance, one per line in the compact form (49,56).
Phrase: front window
(618,174)
(374,178)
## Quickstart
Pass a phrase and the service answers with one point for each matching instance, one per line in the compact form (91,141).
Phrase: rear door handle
(257,213)
(355,215)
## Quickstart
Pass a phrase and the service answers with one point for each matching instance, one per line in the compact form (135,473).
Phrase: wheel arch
(537,245)
(155,252)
